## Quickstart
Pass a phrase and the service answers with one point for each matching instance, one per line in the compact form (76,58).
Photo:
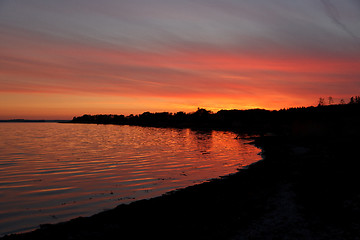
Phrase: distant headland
(292,121)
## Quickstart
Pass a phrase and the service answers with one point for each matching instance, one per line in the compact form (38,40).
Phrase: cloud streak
(179,54)
(333,13)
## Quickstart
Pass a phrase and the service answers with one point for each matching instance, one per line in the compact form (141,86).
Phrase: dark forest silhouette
(340,118)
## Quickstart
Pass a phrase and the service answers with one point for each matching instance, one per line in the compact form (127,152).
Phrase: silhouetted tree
(352,101)
(202,112)
(357,99)
(331,100)
(321,102)
(342,101)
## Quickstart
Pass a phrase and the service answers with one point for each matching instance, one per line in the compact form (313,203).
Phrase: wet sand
(305,188)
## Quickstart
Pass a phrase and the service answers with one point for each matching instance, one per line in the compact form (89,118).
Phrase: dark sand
(305,188)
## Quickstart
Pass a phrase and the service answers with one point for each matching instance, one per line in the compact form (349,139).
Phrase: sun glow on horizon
(121,58)
(49,107)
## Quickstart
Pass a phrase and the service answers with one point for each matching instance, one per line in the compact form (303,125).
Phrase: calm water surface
(52,172)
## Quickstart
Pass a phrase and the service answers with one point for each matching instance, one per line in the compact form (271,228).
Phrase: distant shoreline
(329,120)
(33,121)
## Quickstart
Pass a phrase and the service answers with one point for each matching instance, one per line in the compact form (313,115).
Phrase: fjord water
(51,172)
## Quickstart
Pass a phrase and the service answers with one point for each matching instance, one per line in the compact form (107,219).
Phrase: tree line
(281,121)
(330,100)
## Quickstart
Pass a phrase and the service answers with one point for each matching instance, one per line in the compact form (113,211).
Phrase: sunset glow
(64,59)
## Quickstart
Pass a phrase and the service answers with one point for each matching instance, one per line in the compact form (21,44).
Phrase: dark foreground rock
(305,188)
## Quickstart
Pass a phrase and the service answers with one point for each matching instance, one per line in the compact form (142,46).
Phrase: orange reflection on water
(54,172)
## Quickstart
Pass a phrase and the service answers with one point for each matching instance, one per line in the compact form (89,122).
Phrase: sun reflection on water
(54,172)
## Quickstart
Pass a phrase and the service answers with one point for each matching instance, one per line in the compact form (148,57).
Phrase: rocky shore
(305,188)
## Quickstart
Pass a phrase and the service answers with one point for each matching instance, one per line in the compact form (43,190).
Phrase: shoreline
(192,158)
(290,194)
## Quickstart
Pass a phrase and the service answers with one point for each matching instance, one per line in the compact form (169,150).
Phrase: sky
(60,59)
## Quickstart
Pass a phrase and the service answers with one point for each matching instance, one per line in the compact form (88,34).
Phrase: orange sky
(63,60)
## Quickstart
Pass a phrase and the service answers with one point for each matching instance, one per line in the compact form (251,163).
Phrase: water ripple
(54,172)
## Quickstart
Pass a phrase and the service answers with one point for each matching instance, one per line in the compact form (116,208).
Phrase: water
(52,172)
